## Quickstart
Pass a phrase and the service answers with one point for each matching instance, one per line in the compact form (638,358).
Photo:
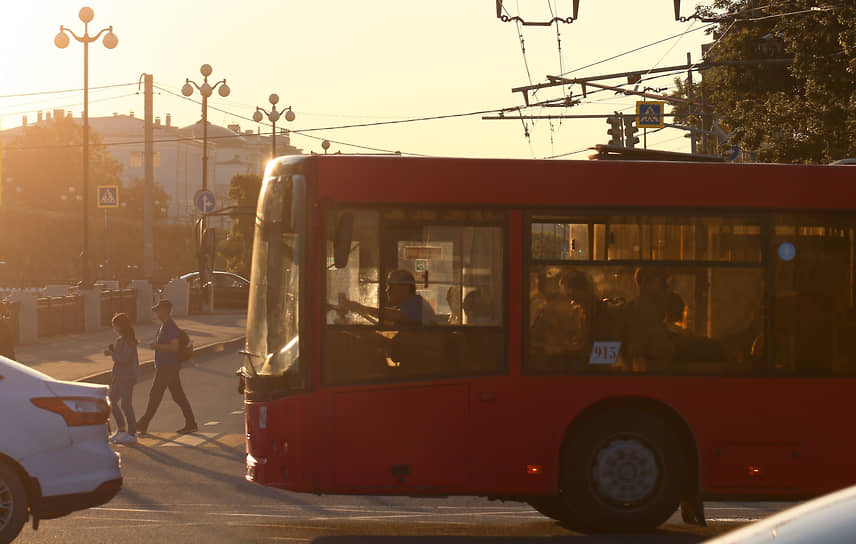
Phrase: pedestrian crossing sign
(649,114)
(108,196)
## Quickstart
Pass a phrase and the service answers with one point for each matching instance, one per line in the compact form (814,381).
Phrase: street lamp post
(206,263)
(61,40)
(205,90)
(273,116)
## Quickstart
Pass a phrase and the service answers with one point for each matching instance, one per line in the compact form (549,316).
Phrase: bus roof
(461,181)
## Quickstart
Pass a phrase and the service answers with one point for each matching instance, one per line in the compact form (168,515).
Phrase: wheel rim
(626,472)
(6,504)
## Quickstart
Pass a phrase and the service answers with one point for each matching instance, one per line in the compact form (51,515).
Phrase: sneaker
(187,429)
(115,436)
(142,428)
(126,439)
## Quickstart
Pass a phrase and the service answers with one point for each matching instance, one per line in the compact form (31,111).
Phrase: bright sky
(342,62)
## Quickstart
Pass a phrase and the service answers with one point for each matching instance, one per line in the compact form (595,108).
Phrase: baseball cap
(162,304)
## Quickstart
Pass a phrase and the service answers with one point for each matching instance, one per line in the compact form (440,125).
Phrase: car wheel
(13,503)
(622,472)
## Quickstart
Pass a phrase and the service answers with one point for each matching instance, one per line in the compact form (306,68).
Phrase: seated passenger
(647,342)
(453,299)
(600,322)
(689,347)
(477,308)
(556,331)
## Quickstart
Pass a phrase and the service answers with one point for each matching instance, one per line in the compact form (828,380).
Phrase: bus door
(398,331)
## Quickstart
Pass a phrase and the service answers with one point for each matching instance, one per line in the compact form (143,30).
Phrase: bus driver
(404,305)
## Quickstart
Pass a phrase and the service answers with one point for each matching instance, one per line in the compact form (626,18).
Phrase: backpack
(185,346)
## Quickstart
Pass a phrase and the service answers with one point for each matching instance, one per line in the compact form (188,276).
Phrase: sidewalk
(81,356)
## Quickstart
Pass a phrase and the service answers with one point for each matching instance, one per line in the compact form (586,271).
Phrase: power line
(636,49)
(37,93)
(65,106)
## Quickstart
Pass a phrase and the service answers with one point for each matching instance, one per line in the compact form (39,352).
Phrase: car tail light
(76,411)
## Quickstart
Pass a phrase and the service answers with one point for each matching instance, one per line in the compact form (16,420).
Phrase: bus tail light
(534,469)
(76,411)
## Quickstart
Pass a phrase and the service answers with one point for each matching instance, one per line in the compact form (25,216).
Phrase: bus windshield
(273,347)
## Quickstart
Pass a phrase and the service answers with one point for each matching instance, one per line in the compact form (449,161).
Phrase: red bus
(604,340)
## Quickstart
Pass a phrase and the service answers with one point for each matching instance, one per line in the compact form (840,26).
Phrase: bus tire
(13,503)
(552,506)
(622,472)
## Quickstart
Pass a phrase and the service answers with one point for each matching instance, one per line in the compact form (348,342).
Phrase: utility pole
(690,95)
(148,185)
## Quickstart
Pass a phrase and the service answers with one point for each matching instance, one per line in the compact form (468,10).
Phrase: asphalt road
(191,489)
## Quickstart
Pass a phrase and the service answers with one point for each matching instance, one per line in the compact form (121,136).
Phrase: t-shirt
(167,332)
(417,309)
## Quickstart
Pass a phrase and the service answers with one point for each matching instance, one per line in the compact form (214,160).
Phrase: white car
(825,520)
(54,454)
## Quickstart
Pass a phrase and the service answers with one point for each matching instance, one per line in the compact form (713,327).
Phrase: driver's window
(358,280)
(420,295)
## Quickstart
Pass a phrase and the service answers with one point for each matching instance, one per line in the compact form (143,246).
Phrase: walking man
(167,369)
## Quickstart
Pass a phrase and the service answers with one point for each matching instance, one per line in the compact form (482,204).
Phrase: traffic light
(630,139)
(614,131)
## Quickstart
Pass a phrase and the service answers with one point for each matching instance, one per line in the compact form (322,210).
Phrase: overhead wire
(37,93)
(66,106)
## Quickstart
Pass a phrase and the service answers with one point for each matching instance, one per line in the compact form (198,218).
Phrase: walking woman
(125,373)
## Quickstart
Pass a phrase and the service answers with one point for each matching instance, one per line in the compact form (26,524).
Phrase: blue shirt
(417,309)
(167,332)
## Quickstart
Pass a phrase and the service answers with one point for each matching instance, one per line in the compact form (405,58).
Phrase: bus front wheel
(622,472)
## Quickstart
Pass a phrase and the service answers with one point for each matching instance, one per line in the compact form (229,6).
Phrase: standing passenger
(125,372)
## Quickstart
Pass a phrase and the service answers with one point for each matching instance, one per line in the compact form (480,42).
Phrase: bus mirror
(298,204)
(342,243)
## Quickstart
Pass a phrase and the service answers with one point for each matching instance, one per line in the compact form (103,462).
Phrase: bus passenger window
(670,295)
(813,306)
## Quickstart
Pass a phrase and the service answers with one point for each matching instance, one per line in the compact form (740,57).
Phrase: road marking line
(149,510)
(206,424)
(189,439)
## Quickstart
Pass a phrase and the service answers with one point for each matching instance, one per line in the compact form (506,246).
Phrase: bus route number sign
(604,353)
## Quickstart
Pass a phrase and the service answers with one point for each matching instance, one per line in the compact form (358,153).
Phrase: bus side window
(813,305)
(645,293)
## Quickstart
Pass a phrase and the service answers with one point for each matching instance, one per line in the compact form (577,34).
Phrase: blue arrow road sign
(205,201)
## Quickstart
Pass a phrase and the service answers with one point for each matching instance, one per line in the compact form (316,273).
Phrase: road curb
(147,368)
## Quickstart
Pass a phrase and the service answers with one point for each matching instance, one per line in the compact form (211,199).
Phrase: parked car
(54,454)
(230,290)
(828,519)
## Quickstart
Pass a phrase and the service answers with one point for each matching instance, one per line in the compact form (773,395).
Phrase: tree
(42,212)
(700,117)
(173,243)
(799,112)
(238,246)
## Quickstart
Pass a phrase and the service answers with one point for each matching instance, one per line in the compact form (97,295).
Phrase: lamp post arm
(102,31)
(81,39)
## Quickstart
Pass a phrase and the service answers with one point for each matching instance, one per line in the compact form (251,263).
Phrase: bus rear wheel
(552,506)
(622,472)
